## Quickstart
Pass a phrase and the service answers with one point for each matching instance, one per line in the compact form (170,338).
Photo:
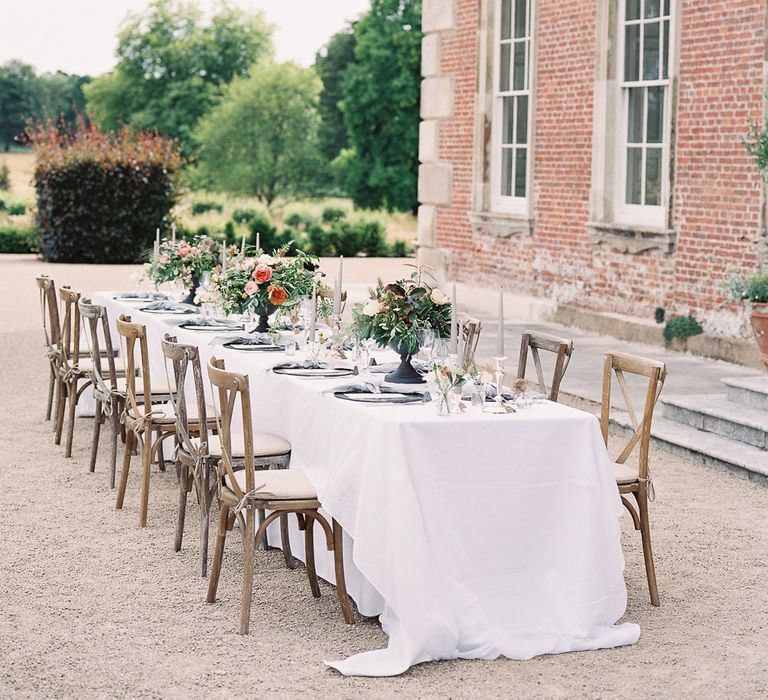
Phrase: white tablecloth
(472,536)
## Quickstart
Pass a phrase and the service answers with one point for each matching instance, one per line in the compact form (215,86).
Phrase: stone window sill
(631,239)
(498,225)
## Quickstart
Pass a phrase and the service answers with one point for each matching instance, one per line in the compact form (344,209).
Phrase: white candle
(157,243)
(242,246)
(500,336)
(313,316)
(258,241)
(224,256)
(173,232)
(452,347)
(337,294)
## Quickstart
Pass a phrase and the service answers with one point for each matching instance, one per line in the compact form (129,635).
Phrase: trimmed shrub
(5,176)
(100,195)
(202,207)
(659,314)
(299,219)
(332,214)
(681,327)
(18,240)
(244,216)
(320,241)
(16,209)
(400,249)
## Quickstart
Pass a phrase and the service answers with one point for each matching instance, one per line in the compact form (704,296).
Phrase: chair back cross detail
(533,342)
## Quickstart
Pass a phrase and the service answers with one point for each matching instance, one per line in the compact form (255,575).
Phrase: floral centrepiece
(262,283)
(182,261)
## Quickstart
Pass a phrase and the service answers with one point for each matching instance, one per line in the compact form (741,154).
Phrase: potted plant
(396,316)
(182,261)
(263,284)
(754,290)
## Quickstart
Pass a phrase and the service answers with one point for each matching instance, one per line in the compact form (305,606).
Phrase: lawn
(399,225)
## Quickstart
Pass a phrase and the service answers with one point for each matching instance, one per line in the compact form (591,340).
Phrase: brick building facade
(590,151)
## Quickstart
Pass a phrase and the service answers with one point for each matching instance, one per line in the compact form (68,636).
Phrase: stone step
(749,391)
(714,413)
(706,448)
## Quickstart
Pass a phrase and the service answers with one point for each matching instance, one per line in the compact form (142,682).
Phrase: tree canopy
(381,92)
(262,138)
(172,66)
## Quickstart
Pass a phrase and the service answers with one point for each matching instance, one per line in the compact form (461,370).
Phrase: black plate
(192,326)
(320,372)
(234,345)
(380,399)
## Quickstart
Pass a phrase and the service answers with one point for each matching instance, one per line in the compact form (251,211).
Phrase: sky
(79,36)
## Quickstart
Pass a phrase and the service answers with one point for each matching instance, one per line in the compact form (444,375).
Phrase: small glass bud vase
(478,394)
(444,403)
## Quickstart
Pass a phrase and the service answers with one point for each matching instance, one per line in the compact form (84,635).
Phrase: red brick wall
(716,211)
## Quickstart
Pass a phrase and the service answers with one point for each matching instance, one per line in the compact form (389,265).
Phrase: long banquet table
(471,536)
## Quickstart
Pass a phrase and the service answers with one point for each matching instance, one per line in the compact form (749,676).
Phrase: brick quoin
(716,192)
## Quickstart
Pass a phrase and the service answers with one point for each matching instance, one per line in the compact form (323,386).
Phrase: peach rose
(277,295)
(184,250)
(262,273)
(251,288)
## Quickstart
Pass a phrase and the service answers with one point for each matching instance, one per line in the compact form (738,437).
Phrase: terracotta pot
(759,320)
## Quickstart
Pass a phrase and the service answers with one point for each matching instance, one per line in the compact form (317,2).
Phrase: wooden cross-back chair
(147,425)
(198,455)
(533,342)
(49,309)
(74,370)
(282,491)
(629,479)
(470,334)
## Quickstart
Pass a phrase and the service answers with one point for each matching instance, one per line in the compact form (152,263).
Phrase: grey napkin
(162,306)
(377,389)
(490,392)
(306,364)
(213,323)
(142,295)
(255,339)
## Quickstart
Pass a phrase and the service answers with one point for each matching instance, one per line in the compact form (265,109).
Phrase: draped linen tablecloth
(471,536)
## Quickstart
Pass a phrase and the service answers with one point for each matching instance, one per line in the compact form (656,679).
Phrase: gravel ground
(91,606)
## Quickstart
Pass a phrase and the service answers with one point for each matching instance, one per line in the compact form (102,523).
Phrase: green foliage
(18,240)
(101,196)
(261,139)
(16,208)
(21,96)
(681,327)
(659,314)
(401,312)
(331,214)
(299,219)
(381,108)
(202,207)
(244,216)
(400,249)
(172,67)
(331,64)
(752,288)
(5,177)
(63,96)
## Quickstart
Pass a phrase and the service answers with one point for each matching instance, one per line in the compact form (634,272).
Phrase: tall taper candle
(224,256)
(452,347)
(242,246)
(258,241)
(337,295)
(500,335)
(173,232)
(157,243)
(313,316)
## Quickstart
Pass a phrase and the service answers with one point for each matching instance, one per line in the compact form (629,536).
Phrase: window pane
(653,176)
(506,18)
(522,119)
(634,175)
(520,16)
(506,171)
(519,69)
(651,51)
(635,115)
(666,8)
(508,120)
(665,55)
(651,8)
(655,117)
(520,159)
(504,69)
(632,9)
(632,52)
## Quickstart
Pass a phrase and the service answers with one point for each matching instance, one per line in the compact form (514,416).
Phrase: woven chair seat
(625,474)
(264,445)
(277,485)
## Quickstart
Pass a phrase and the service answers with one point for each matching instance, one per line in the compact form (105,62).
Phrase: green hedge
(18,240)
(100,196)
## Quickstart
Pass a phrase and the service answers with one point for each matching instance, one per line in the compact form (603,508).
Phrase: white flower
(439,297)
(372,307)
(265,259)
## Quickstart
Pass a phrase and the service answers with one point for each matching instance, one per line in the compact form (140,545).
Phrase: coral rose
(277,295)
(262,273)
(183,250)
(251,288)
